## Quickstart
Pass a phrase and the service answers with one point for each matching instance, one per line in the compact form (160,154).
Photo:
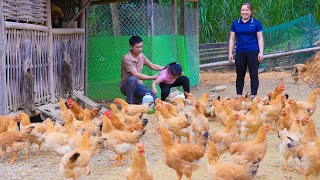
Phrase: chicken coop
(46,47)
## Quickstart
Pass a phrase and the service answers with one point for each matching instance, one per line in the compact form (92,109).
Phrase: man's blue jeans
(135,91)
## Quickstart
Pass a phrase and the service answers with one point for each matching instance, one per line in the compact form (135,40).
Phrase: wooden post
(150,16)
(83,46)
(81,10)
(196,18)
(50,53)
(115,19)
(182,4)
(174,16)
(86,55)
(3,104)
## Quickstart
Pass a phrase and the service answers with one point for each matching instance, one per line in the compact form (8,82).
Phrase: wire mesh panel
(300,33)
(111,26)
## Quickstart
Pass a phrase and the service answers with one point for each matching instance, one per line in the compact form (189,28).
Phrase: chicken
(132,109)
(222,170)
(310,133)
(303,113)
(183,158)
(62,105)
(270,113)
(56,141)
(296,131)
(9,138)
(120,142)
(307,157)
(77,162)
(234,104)
(74,138)
(253,120)
(125,127)
(286,118)
(139,169)
(295,74)
(311,103)
(172,109)
(179,126)
(200,122)
(93,129)
(76,110)
(248,152)
(228,135)
(124,117)
(277,91)
(304,71)
(309,72)
(37,135)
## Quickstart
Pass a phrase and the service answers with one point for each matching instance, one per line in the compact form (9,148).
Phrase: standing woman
(249,48)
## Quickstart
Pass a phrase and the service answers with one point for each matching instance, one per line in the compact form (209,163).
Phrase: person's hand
(230,57)
(155,76)
(154,90)
(260,57)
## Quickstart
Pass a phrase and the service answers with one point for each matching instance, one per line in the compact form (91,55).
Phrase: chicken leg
(118,160)
(14,158)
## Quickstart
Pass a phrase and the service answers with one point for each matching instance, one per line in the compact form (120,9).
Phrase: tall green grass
(216,16)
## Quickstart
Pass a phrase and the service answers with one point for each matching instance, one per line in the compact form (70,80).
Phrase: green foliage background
(216,16)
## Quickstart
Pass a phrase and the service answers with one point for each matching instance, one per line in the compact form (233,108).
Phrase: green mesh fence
(111,26)
(297,34)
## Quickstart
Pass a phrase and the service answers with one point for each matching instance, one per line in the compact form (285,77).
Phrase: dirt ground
(45,165)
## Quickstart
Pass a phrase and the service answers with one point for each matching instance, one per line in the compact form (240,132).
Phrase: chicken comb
(69,99)
(108,112)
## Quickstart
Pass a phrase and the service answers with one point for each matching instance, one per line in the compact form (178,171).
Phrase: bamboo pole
(24,26)
(50,53)
(82,9)
(67,31)
(3,92)
(227,63)
(174,16)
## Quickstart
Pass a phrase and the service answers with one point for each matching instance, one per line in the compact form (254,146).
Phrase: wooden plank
(3,92)
(78,14)
(50,53)
(100,2)
(85,55)
(24,26)
(66,31)
(83,51)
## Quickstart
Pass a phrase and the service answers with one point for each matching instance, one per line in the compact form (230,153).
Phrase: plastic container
(147,99)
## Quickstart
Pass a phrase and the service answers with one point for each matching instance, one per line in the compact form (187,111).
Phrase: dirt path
(45,165)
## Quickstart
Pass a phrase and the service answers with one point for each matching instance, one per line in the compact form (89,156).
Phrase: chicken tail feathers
(203,140)
(74,157)
(145,122)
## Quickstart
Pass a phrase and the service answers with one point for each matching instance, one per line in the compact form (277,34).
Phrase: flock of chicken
(185,132)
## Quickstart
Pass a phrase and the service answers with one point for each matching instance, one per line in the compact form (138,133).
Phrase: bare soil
(45,165)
